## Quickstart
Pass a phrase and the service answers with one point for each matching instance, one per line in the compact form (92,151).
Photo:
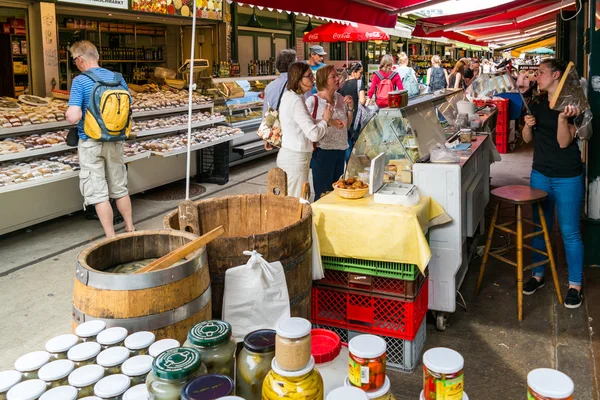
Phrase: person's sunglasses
(311,76)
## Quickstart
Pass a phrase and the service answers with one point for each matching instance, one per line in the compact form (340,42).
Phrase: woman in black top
(557,169)
(354,88)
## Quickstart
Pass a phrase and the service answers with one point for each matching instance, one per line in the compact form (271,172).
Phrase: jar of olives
(60,393)
(254,363)
(56,373)
(28,390)
(214,341)
(84,379)
(30,363)
(172,370)
(208,387)
(60,345)
(137,368)
(112,387)
(112,337)
(88,331)
(8,379)
(112,359)
(138,392)
(84,353)
(162,345)
(139,343)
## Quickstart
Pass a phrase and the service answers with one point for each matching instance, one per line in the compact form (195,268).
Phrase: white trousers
(296,165)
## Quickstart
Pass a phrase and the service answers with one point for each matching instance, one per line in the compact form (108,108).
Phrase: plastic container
(208,387)
(254,363)
(443,375)
(162,345)
(214,341)
(139,343)
(137,368)
(28,390)
(89,330)
(60,345)
(84,353)
(549,384)
(56,373)
(466,135)
(464,397)
(60,393)
(383,393)
(293,344)
(112,337)
(367,361)
(172,370)
(112,387)
(347,393)
(8,379)
(111,359)
(305,384)
(138,392)
(85,378)
(331,358)
(30,363)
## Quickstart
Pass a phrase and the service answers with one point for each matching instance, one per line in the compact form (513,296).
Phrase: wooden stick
(304,195)
(561,84)
(181,252)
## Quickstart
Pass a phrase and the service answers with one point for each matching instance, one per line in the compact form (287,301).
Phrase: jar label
(364,375)
(450,389)
(355,374)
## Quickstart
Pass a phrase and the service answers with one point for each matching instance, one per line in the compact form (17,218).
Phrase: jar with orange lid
(549,384)
(367,361)
(443,375)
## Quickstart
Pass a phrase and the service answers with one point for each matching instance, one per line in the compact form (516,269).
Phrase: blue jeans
(327,167)
(567,195)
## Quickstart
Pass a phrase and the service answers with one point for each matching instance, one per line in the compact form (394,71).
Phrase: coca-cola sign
(341,36)
(373,35)
(313,37)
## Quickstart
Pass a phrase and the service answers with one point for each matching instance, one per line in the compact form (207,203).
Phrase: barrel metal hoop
(306,293)
(108,281)
(151,322)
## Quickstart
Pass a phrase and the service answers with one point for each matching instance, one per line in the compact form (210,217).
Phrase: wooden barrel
(266,223)
(167,302)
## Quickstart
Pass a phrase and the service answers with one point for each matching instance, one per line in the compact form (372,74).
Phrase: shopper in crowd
(299,128)
(384,81)
(315,60)
(455,80)
(469,77)
(354,88)
(437,77)
(557,169)
(475,66)
(103,174)
(408,76)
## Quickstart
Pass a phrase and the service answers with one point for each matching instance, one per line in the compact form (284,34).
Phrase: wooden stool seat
(519,194)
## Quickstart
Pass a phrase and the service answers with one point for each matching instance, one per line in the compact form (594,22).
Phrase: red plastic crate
(384,315)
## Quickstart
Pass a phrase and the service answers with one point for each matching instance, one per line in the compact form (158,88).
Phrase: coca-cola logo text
(314,36)
(373,35)
(339,36)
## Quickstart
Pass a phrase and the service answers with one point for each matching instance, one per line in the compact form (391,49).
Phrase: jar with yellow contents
(305,383)
(254,363)
(84,353)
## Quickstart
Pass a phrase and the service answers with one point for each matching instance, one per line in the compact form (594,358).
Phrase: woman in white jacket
(298,128)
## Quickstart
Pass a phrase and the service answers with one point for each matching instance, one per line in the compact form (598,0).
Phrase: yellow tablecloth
(381,232)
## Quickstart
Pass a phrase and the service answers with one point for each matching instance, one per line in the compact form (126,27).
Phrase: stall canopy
(353,32)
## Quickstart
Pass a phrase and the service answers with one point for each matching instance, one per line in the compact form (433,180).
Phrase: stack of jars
(443,375)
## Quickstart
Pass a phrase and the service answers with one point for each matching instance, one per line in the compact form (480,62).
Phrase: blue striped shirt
(81,90)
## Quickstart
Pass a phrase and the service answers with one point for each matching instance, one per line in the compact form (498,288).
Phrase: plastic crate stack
(381,298)
(502,123)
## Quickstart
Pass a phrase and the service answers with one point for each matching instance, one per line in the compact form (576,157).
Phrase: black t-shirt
(548,158)
(350,88)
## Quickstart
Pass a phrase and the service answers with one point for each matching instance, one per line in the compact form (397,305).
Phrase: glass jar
(367,361)
(464,396)
(214,341)
(383,393)
(139,342)
(28,390)
(549,384)
(331,358)
(112,387)
(443,375)
(162,345)
(347,393)
(90,398)
(30,363)
(208,387)
(293,343)
(138,392)
(305,384)
(8,379)
(59,346)
(112,359)
(84,353)
(112,337)
(84,379)
(60,393)
(254,363)
(137,368)
(88,331)
(172,370)
(56,373)
(466,135)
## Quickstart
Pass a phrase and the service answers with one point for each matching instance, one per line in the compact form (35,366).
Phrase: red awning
(334,32)
(459,37)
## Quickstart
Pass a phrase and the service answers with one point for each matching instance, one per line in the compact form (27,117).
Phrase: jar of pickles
(112,359)
(60,345)
(347,393)
(60,393)
(56,373)
(293,343)
(138,392)
(112,387)
(172,370)
(208,387)
(443,376)
(214,341)
(84,353)
(549,384)
(137,368)
(305,384)
(28,390)
(30,363)
(8,379)
(138,343)
(112,337)
(162,345)
(367,361)
(84,379)
(254,363)
(88,331)
(383,393)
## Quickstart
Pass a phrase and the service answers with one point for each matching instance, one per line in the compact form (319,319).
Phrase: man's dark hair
(284,59)
(469,73)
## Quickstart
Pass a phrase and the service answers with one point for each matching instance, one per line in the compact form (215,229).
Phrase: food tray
(382,315)
(394,270)
(351,194)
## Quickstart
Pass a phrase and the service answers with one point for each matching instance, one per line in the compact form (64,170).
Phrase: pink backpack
(383,88)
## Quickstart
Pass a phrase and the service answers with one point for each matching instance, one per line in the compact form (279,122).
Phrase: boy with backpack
(384,81)
(408,76)
(437,76)
(100,105)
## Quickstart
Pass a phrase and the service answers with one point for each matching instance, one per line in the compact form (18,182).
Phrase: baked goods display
(26,114)
(164,100)
(35,141)
(171,143)
(22,171)
(350,183)
(172,121)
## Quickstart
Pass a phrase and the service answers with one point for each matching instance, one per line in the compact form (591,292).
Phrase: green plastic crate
(407,272)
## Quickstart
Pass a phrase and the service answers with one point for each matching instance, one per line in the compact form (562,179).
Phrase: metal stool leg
(488,245)
(520,261)
(549,251)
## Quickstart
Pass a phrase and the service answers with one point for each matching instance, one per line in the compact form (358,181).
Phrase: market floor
(36,278)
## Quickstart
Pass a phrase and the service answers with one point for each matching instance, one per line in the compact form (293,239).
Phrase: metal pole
(191,87)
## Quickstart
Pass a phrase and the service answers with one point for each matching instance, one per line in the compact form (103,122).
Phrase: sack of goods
(270,128)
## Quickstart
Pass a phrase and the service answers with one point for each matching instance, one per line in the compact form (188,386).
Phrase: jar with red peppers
(443,376)
(367,361)
(549,384)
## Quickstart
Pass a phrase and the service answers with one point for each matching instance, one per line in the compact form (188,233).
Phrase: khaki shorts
(103,174)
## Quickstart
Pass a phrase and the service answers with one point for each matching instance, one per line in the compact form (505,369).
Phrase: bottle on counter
(331,358)
(162,345)
(293,344)
(138,392)
(347,393)
(443,375)
(137,368)
(367,362)
(254,362)
(214,341)
(112,358)
(110,337)
(383,393)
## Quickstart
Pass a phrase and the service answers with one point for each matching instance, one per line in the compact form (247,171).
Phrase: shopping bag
(270,127)
(256,296)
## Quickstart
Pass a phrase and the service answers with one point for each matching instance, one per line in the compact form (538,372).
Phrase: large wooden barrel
(268,224)
(167,302)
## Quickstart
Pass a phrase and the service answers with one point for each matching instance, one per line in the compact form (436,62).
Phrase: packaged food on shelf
(443,375)
(254,363)
(112,358)
(137,368)
(549,384)
(30,363)
(331,358)
(208,387)
(138,343)
(293,344)
(8,379)
(56,373)
(138,392)
(60,393)
(112,387)
(305,384)
(84,379)
(164,100)
(172,370)
(32,142)
(383,393)
(89,330)
(84,353)
(110,337)
(216,345)
(26,114)
(22,171)
(172,121)
(366,365)
(163,345)
(28,390)
(59,346)
(171,143)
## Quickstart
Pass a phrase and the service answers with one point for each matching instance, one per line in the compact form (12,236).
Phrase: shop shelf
(383,315)
(407,272)
(38,182)
(200,146)
(167,111)
(173,129)
(32,153)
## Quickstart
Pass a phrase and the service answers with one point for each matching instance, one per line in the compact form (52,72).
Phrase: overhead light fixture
(551,8)
(254,22)
(309,27)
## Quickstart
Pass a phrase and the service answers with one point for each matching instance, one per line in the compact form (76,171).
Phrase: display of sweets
(21,171)
(15,113)
(31,142)
(169,121)
(165,100)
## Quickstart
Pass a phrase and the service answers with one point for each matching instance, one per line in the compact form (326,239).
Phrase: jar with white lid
(59,346)
(85,378)
(208,387)
(137,368)
(331,358)
(112,358)
(367,362)
(56,373)
(112,337)
(254,363)
(214,341)
(112,387)
(90,398)
(549,384)
(89,330)
(231,398)
(305,384)
(8,379)
(347,393)
(464,396)
(60,393)
(172,370)
(138,392)
(293,343)
(443,375)
(163,345)
(28,390)
(84,353)
(383,393)
(30,363)
(139,343)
